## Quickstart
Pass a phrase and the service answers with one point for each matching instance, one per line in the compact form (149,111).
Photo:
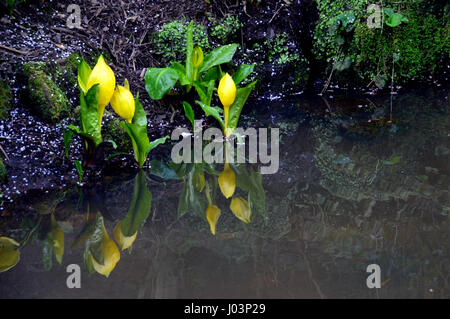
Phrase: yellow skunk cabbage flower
(241,209)
(197,57)
(9,253)
(227,90)
(227,95)
(111,256)
(123,241)
(212,215)
(122,102)
(103,75)
(57,237)
(227,181)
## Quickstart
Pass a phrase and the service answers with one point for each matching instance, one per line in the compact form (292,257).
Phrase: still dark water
(358,184)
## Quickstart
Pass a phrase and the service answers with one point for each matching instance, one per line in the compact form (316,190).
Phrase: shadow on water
(357,185)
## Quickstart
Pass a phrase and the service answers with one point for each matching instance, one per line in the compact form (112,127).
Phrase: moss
(170,40)
(416,47)
(5,99)
(3,172)
(45,97)
(113,131)
(225,30)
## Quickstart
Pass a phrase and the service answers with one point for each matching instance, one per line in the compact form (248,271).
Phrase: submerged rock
(43,95)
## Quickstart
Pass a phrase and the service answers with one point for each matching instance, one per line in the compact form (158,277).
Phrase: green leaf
(380,81)
(190,199)
(47,254)
(388,11)
(137,130)
(159,81)
(343,65)
(181,70)
(79,169)
(211,74)
(94,243)
(84,70)
(68,134)
(89,115)
(393,161)
(222,54)
(189,50)
(242,72)
(139,208)
(189,112)
(395,20)
(242,95)
(212,111)
(160,169)
(155,143)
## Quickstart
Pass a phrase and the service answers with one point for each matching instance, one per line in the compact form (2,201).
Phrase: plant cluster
(170,41)
(97,90)
(224,30)
(411,40)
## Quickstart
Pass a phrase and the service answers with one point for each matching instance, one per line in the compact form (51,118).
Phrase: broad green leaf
(189,50)
(181,70)
(211,74)
(159,81)
(89,114)
(222,54)
(242,95)
(380,81)
(212,111)
(395,20)
(84,70)
(189,112)
(139,208)
(242,72)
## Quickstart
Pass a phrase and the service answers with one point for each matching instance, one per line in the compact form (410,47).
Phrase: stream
(362,181)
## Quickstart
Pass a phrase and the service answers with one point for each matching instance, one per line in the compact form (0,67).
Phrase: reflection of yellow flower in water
(227,181)
(9,253)
(212,215)
(241,209)
(57,236)
(123,241)
(111,256)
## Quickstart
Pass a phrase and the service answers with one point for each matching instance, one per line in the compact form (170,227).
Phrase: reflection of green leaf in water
(139,207)
(393,161)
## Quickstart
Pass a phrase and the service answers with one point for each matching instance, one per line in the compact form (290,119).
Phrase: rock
(43,95)
(5,100)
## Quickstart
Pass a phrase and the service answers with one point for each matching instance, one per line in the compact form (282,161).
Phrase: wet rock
(5,99)
(43,95)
